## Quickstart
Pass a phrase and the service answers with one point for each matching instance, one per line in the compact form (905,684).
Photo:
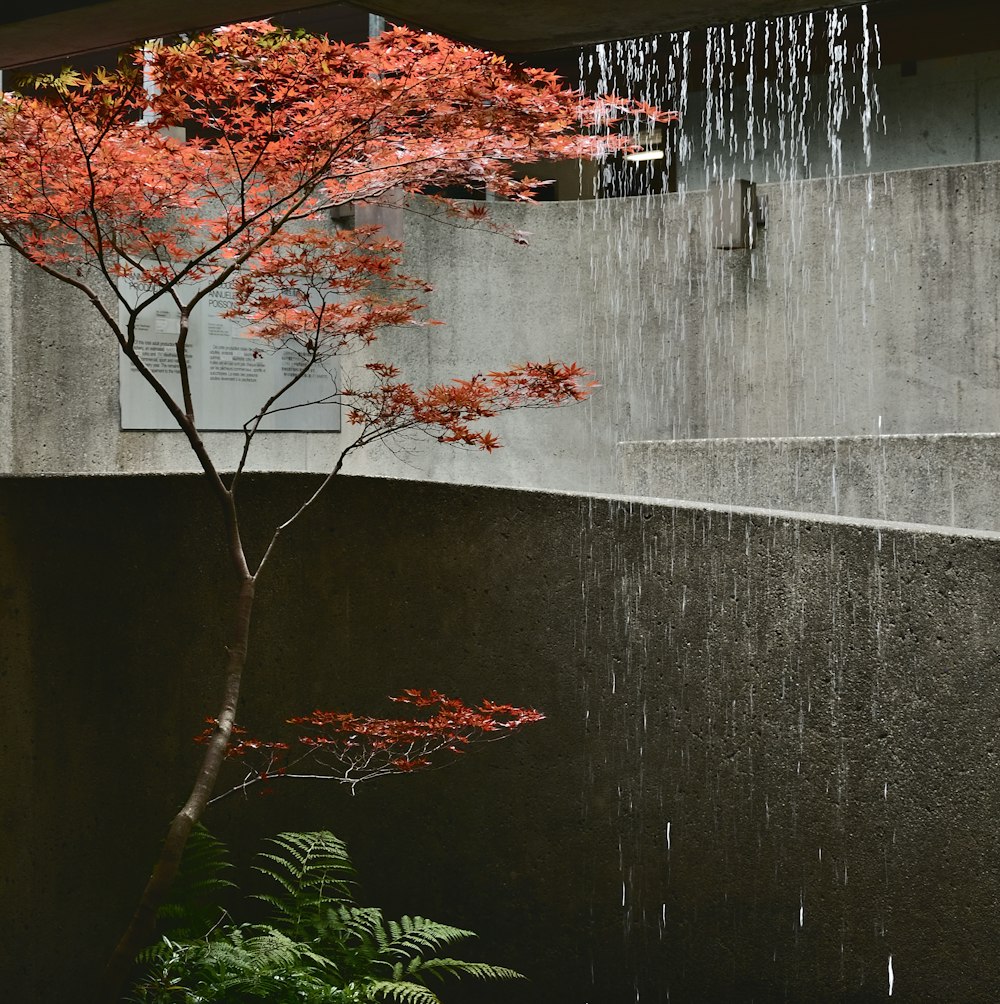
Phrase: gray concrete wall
(6,366)
(951,480)
(947,112)
(852,114)
(769,763)
(960,125)
(62,394)
(870,303)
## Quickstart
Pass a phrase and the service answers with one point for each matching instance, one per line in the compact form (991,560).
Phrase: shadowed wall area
(769,763)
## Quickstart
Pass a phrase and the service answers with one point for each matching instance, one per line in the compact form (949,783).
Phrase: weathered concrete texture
(6,365)
(769,763)
(948,480)
(61,395)
(870,303)
(959,124)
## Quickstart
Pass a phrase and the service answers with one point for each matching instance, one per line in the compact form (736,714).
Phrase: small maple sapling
(98,191)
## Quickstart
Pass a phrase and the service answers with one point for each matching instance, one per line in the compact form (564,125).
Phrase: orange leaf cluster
(342,746)
(96,186)
(279,127)
(447,411)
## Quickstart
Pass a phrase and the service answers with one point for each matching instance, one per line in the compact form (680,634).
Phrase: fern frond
(418,935)
(315,853)
(156,953)
(402,992)
(456,967)
(271,948)
(313,873)
(321,948)
(193,905)
(362,922)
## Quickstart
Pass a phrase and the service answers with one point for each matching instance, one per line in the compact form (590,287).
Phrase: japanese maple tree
(216,161)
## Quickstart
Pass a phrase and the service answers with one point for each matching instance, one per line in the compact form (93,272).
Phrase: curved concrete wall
(769,763)
(870,305)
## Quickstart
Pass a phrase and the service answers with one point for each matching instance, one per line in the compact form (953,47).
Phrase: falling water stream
(698,344)
(693,342)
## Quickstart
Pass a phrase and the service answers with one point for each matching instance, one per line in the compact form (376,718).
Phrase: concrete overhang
(32,31)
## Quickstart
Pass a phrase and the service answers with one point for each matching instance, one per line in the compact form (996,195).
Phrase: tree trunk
(143,924)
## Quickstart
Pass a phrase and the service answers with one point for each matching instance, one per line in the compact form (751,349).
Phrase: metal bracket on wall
(734,215)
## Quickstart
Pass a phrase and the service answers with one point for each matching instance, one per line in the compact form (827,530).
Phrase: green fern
(456,967)
(416,934)
(402,992)
(244,964)
(313,873)
(320,947)
(194,903)
(394,952)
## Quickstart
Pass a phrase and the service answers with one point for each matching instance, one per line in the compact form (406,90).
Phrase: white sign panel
(231,375)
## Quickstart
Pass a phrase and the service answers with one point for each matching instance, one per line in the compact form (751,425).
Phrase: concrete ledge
(946,480)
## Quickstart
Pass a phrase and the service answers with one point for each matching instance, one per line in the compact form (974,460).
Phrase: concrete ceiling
(533,26)
(32,31)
